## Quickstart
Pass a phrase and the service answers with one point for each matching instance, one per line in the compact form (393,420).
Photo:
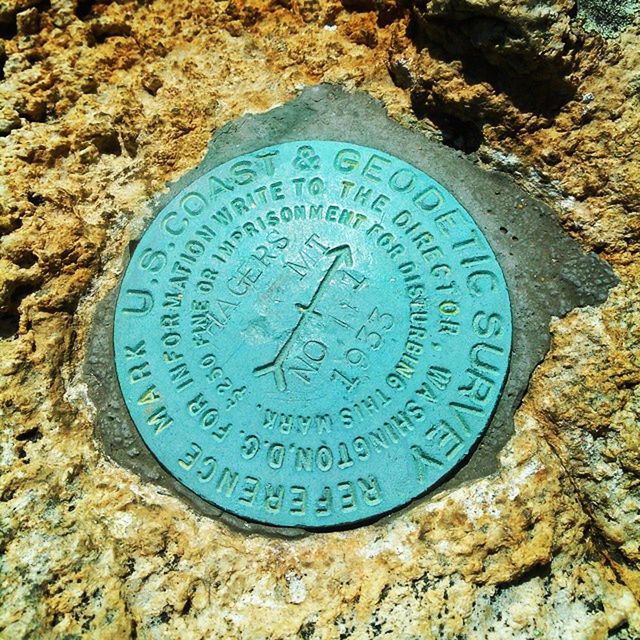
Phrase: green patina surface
(312,334)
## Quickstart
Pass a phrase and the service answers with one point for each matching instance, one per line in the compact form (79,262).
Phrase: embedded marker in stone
(312,334)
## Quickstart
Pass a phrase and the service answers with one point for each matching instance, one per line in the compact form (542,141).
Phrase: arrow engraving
(342,257)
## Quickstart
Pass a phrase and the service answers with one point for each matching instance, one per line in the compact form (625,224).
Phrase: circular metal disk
(312,334)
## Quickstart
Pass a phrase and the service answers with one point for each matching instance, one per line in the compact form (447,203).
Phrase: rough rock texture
(100,105)
(607,17)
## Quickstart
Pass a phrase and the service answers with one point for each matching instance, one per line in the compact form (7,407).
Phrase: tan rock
(547,547)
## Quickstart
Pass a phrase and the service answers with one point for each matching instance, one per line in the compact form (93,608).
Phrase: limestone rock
(520,38)
(116,99)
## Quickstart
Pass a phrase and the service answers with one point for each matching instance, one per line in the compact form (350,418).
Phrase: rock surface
(102,104)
